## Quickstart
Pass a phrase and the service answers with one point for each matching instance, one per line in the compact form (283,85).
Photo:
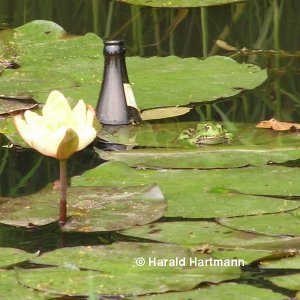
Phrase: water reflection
(47,238)
(25,171)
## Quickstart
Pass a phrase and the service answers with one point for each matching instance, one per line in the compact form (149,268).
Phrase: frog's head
(210,130)
(211,133)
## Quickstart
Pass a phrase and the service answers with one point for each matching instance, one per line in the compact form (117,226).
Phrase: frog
(206,134)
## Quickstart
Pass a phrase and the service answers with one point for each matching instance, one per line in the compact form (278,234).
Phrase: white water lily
(59,131)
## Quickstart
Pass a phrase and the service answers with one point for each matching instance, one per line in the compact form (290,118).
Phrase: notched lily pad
(75,69)
(126,269)
(89,209)
(11,256)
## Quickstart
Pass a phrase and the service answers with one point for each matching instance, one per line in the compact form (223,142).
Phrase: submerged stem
(63,192)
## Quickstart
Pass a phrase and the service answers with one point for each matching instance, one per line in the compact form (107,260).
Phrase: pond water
(265,32)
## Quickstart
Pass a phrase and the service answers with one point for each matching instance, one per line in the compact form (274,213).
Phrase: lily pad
(12,290)
(198,233)
(89,209)
(291,282)
(284,263)
(171,81)
(15,104)
(11,256)
(179,3)
(126,268)
(76,70)
(224,291)
(273,224)
(249,146)
(199,193)
(163,113)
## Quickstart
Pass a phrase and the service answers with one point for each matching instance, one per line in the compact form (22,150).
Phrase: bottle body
(112,107)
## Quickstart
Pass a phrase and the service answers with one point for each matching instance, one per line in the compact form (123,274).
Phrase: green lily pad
(76,70)
(13,291)
(247,255)
(171,81)
(89,209)
(179,3)
(224,291)
(126,268)
(273,224)
(291,282)
(284,263)
(250,145)
(197,193)
(11,256)
(197,233)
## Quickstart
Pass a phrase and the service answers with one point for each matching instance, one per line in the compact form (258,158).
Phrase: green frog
(206,134)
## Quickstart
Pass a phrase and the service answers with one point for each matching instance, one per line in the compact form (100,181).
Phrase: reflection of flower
(59,131)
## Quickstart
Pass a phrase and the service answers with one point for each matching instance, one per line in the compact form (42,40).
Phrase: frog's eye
(207,127)
(221,126)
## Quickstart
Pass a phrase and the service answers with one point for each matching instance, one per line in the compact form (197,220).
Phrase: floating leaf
(13,291)
(76,70)
(11,256)
(89,209)
(278,125)
(15,104)
(224,291)
(202,193)
(196,233)
(179,3)
(272,224)
(180,81)
(291,282)
(283,263)
(126,268)
(249,146)
(162,113)
(109,209)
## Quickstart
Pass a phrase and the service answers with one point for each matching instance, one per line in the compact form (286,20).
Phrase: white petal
(23,129)
(33,120)
(86,135)
(49,144)
(57,111)
(79,113)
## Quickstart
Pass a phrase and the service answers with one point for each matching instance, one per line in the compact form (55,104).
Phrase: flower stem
(63,192)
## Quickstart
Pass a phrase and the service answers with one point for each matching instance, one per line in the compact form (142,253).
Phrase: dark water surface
(269,25)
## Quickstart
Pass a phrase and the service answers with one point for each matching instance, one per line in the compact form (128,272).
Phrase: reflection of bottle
(112,107)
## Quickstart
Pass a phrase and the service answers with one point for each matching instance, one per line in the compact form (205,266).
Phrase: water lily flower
(59,131)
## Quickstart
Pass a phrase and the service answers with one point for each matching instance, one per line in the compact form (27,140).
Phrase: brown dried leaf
(278,125)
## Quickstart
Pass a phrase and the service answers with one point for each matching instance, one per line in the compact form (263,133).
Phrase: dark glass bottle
(112,107)
(134,113)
